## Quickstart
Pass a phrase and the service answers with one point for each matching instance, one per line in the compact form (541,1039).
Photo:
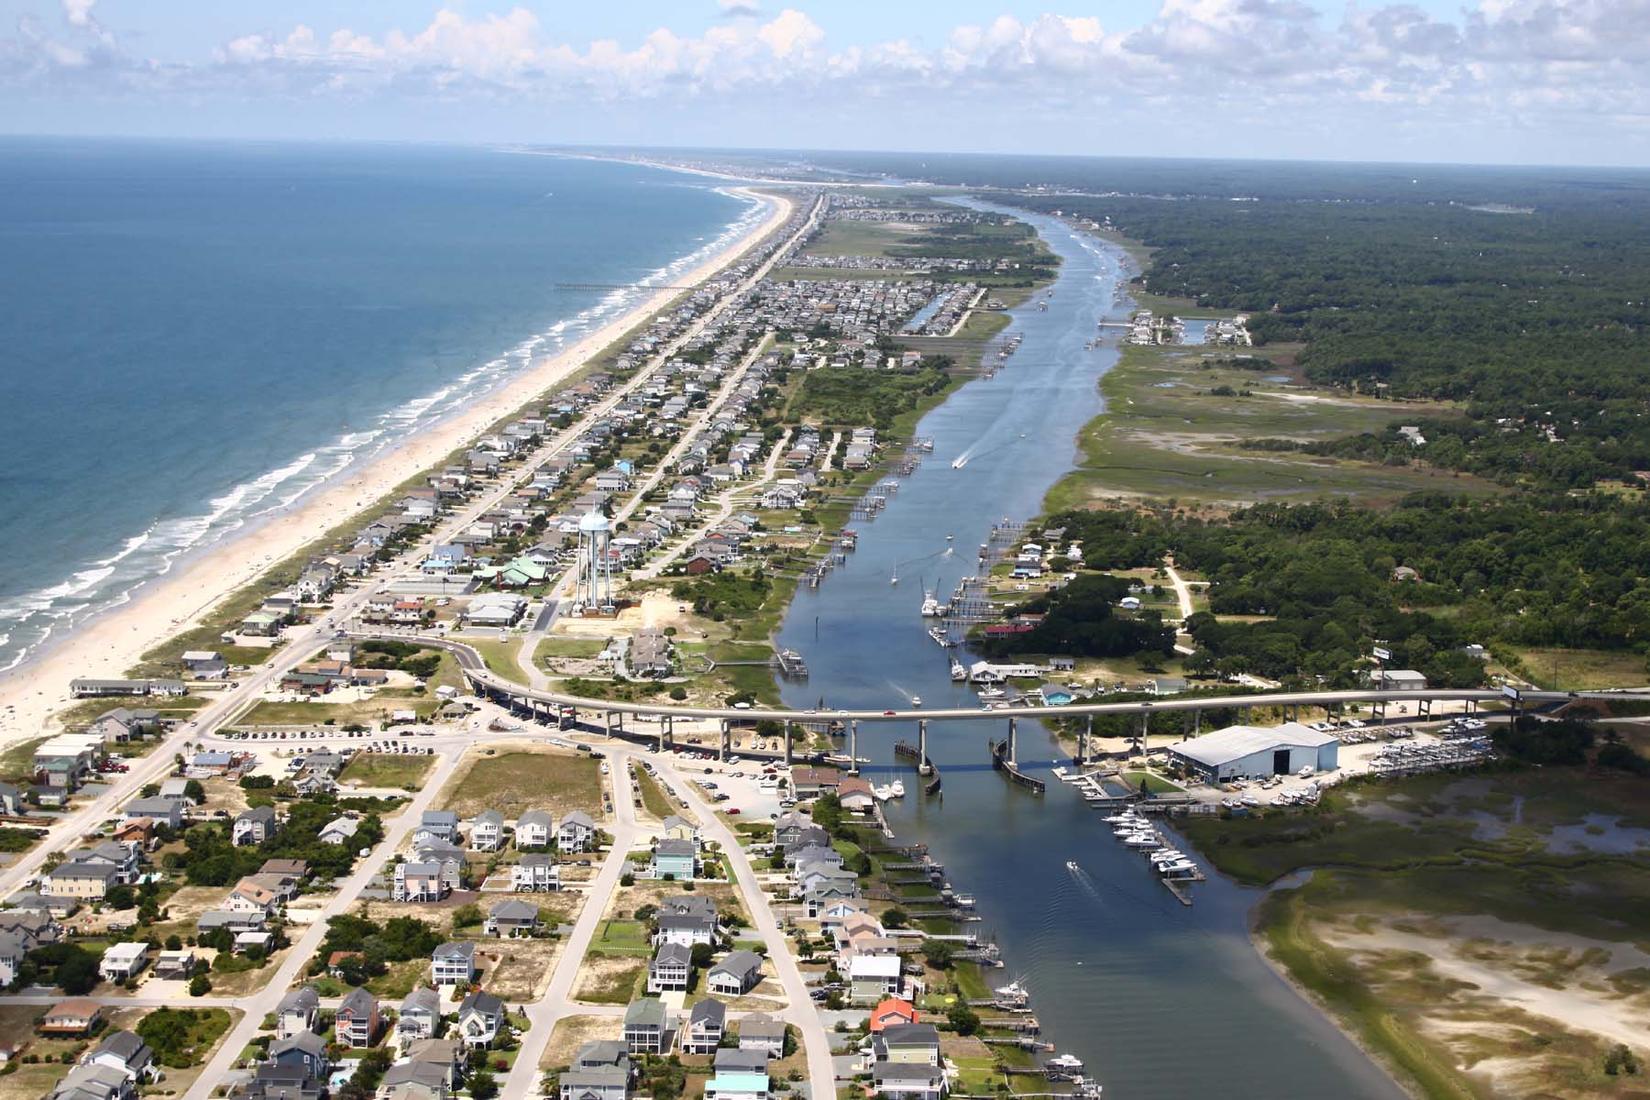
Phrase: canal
(1159,1000)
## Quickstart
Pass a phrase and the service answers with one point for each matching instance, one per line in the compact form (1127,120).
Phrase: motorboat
(1120,817)
(1062,1066)
(1071,865)
(882,794)
(896,789)
(958,672)
(993,693)
(916,701)
(1013,993)
(1181,868)
(931,606)
(1145,842)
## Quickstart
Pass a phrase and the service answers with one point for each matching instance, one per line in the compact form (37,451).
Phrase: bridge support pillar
(1472,706)
(1083,740)
(1145,732)
(664,731)
(1197,723)
(1013,741)
(1423,709)
(727,738)
(853,747)
(922,746)
(1378,711)
(607,723)
(790,728)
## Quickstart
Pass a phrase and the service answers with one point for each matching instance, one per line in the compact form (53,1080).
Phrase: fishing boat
(993,693)
(942,637)
(931,606)
(958,672)
(896,789)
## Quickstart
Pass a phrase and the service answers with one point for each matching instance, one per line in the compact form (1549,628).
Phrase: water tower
(595,584)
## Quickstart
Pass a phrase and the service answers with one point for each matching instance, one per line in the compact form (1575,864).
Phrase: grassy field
(606,980)
(1581,669)
(382,770)
(512,782)
(570,647)
(1166,434)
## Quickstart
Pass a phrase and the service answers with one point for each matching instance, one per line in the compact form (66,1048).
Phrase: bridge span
(541,702)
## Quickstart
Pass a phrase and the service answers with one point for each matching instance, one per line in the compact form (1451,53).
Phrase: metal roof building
(1239,752)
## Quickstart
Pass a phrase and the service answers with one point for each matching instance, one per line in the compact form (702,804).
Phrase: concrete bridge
(564,708)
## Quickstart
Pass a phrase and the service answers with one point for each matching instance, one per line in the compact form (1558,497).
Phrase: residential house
(759,1031)
(671,969)
(600,1071)
(645,1027)
(704,1027)
(890,1012)
(737,974)
(687,920)
(480,1017)
(253,826)
(251,896)
(673,860)
(94,1082)
(874,977)
(487,831)
(205,664)
(534,829)
(680,828)
(420,1015)
(727,1085)
(437,825)
(418,882)
(536,872)
(907,1062)
(123,961)
(453,964)
(512,919)
(125,1053)
(576,832)
(167,811)
(297,1012)
(75,1016)
(11,800)
(339,830)
(305,1053)
(13,949)
(79,881)
(356,1020)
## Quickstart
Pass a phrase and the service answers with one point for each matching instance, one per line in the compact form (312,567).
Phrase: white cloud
(1551,59)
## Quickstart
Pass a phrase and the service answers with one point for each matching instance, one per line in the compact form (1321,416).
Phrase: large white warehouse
(1243,752)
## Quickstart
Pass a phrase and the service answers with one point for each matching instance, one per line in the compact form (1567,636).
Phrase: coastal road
(257,1005)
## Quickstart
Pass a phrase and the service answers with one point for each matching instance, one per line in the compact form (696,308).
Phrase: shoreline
(112,642)
(1379,1058)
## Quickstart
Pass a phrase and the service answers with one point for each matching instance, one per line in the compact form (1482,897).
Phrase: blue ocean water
(193,335)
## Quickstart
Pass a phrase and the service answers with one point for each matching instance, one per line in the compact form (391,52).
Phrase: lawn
(570,647)
(1155,784)
(387,770)
(512,782)
(621,937)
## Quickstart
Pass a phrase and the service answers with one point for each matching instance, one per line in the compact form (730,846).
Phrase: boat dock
(1005,763)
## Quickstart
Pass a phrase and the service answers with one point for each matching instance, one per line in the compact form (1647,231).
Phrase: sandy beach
(112,643)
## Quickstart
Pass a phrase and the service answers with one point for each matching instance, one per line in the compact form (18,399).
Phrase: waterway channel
(1158,1000)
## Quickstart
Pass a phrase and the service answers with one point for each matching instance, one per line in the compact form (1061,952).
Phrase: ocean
(195,334)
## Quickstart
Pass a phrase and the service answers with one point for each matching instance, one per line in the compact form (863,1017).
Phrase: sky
(1491,81)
